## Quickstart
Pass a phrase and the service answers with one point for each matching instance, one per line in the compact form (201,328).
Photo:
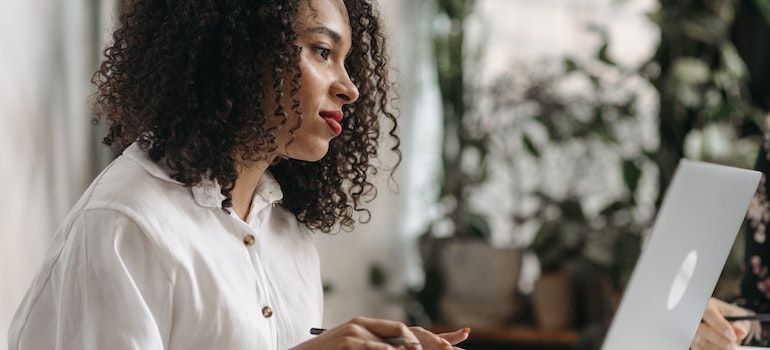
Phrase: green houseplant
(458,260)
(581,116)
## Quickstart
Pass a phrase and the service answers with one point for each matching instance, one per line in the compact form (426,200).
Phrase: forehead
(327,13)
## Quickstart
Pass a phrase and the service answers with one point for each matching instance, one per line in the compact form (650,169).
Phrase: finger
(729,309)
(696,344)
(359,334)
(711,339)
(375,345)
(713,317)
(457,336)
(388,329)
(741,329)
(708,345)
(430,340)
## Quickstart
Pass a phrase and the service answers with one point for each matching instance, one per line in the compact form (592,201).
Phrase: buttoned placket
(208,194)
(252,231)
(249,231)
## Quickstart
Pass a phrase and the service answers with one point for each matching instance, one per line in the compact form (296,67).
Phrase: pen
(395,341)
(757,317)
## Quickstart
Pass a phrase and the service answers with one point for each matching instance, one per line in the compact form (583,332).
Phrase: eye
(322,51)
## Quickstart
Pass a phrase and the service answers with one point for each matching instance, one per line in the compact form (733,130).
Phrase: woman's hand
(716,333)
(443,341)
(369,333)
(363,333)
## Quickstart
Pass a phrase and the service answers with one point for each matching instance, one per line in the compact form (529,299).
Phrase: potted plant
(467,281)
(581,127)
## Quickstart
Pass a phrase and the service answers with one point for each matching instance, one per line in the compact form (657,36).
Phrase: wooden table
(517,337)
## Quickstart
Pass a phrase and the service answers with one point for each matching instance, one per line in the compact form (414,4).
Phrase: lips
(334,120)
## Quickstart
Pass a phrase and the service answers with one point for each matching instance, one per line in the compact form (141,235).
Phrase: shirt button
(267,311)
(249,240)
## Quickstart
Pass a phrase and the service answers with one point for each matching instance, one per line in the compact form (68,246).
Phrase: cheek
(314,85)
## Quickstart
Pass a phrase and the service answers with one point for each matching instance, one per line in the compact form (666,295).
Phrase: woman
(243,124)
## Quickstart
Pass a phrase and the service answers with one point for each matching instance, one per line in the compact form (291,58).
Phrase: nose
(345,89)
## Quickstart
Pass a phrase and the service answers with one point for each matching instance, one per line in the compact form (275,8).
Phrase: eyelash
(322,51)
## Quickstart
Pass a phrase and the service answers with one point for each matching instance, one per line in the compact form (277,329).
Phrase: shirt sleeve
(108,290)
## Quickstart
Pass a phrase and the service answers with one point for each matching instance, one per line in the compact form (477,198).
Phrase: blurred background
(538,138)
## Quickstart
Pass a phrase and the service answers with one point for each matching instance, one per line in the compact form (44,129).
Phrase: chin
(311,154)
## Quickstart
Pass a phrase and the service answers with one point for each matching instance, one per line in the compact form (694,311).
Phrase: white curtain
(48,149)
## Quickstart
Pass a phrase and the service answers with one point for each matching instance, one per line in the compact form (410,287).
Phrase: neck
(246,185)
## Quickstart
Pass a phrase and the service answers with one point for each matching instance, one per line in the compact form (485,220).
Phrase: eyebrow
(336,37)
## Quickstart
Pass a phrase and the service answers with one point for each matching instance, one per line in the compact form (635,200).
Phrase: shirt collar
(208,193)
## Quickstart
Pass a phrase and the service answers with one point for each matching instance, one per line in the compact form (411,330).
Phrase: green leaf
(377,276)
(691,70)
(688,96)
(454,8)
(601,127)
(570,65)
(723,112)
(531,148)
(572,210)
(626,110)
(733,61)
(327,287)
(478,226)
(603,53)
(612,208)
(708,29)
(550,127)
(631,175)
(764,8)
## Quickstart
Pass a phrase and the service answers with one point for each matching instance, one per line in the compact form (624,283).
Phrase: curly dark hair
(184,78)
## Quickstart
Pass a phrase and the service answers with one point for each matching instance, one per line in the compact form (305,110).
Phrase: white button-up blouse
(142,262)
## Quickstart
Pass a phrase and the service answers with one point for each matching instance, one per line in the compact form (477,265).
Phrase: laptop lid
(676,273)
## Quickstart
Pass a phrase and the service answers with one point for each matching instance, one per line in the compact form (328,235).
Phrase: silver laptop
(695,228)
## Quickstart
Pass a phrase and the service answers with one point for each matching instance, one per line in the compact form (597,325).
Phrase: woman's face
(324,38)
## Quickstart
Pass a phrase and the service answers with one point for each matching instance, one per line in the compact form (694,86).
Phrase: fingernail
(466,330)
(731,335)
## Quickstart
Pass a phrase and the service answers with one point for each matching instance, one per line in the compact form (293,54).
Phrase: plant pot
(480,283)
(552,301)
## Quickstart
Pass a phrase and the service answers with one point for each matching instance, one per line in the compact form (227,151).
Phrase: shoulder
(128,198)
(105,233)
(126,186)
